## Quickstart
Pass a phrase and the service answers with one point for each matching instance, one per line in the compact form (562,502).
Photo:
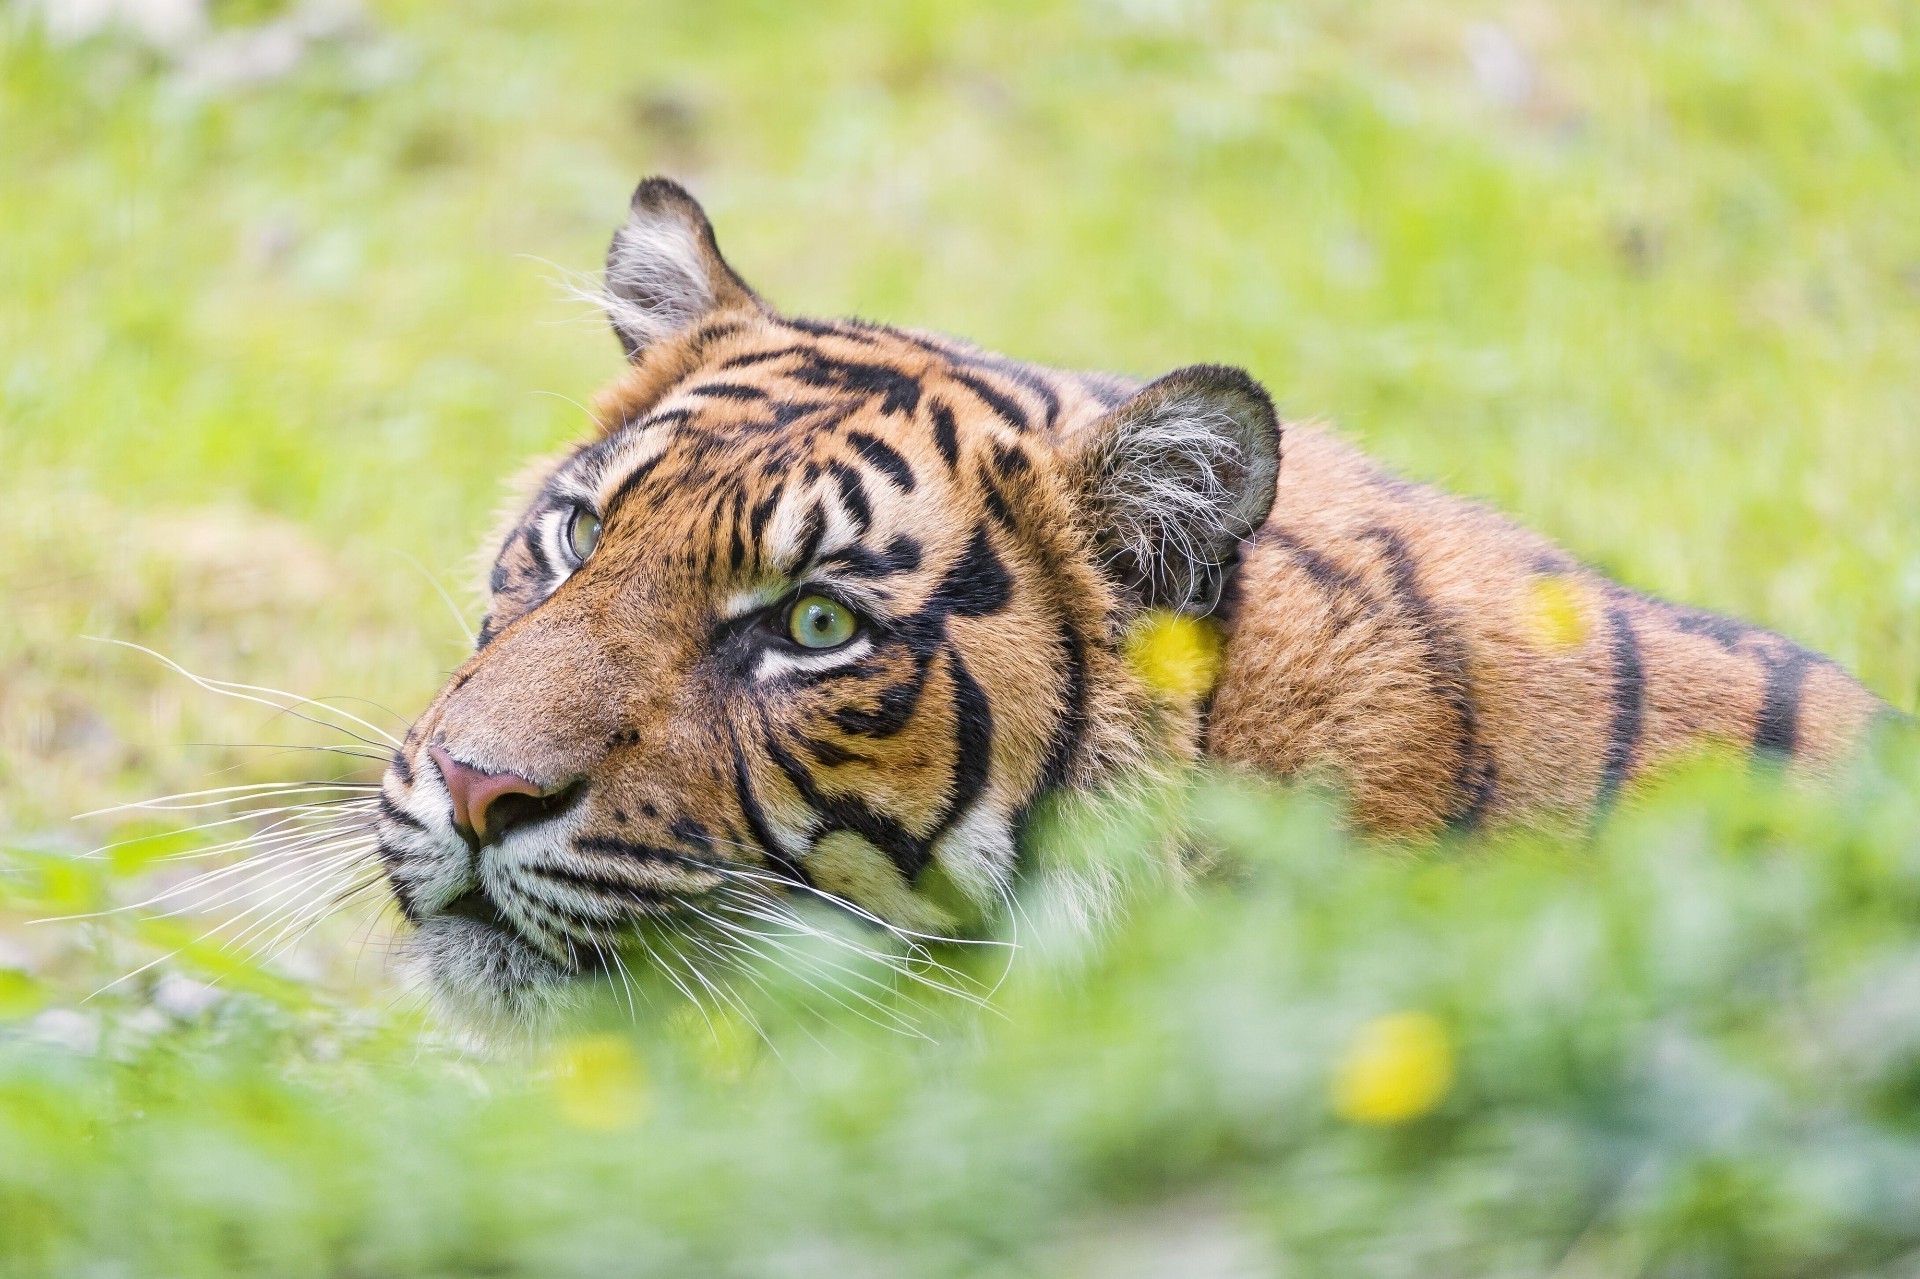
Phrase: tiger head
(819,608)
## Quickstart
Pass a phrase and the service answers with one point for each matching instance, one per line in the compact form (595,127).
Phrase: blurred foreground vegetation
(277,317)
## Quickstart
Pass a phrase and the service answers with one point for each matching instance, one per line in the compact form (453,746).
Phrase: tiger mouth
(479,908)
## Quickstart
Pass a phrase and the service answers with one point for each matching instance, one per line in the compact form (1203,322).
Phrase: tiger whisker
(298,890)
(459,618)
(226,688)
(230,794)
(834,899)
(241,868)
(815,963)
(316,810)
(891,963)
(335,906)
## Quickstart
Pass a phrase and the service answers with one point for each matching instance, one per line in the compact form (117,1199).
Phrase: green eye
(818,622)
(583,534)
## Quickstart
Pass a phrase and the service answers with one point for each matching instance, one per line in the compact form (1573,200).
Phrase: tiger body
(646,733)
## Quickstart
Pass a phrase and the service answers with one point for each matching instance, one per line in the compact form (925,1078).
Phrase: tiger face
(820,608)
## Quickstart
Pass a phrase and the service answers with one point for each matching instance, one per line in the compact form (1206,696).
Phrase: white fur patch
(977,853)
(773,664)
(656,280)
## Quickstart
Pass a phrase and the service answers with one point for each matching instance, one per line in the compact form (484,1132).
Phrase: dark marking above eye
(810,534)
(978,584)
(883,455)
(900,555)
(634,480)
(853,494)
(501,576)
(761,513)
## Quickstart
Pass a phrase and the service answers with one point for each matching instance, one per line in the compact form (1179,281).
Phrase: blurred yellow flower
(1397,1068)
(599,1082)
(1175,654)
(1551,613)
(724,1045)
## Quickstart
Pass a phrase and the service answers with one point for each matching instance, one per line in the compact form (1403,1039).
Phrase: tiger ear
(1175,478)
(664,269)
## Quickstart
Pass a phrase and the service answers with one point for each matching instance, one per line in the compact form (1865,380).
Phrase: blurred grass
(1646,273)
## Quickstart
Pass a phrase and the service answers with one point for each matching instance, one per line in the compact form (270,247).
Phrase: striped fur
(998,527)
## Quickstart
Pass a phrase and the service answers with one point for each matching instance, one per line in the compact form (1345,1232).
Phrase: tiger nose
(487,805)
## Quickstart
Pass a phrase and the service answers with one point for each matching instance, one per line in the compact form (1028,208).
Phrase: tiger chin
(824,608)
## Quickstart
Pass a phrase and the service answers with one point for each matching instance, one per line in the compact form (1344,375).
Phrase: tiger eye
(818,622)
(583,534)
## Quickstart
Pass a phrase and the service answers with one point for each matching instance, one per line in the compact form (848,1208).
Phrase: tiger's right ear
(1174,479)
(664,269)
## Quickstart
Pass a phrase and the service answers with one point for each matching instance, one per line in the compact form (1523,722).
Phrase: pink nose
(477,807)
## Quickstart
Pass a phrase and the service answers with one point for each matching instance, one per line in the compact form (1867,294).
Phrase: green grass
(260,348)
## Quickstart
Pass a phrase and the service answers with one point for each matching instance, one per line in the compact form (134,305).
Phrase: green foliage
(1649,276)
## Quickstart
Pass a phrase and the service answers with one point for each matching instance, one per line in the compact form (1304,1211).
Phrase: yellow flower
(1176,655)
(599,1082)
(1397,1068)
(1551,613)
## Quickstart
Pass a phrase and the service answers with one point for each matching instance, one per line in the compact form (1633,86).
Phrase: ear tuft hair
(664,269)
(1174,479)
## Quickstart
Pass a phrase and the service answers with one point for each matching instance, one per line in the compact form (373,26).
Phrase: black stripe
(1452,679)
(632,850)
(582,880)
(756,819)
(978,584)
(1325,573)
(810,534)
(883,455)
(946,436)
(634,479)
(902,555)
(536,552)
(853,494)
(1009,412)
(995,500)
(1777,728)
(1629,707)
(1034,379)
(972,747)
(1071,727)
(391,811)
(899,390)
(727,391)
(909,854)
(402,768)
(825,329)
(896,705)
(832,754)
(761,357)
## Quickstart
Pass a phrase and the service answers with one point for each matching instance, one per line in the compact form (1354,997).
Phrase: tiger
(831,607)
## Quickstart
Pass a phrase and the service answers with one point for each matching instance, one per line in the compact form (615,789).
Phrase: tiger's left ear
(1173,480)
(664,269)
